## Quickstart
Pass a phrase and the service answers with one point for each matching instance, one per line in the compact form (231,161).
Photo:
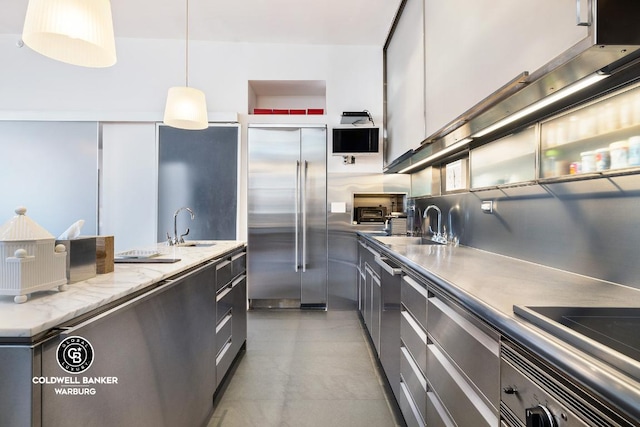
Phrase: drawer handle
(223,293)
(382,262)
(223,322)
(416,286)
(237,256)
(224,350)
(222,265)
(415,326)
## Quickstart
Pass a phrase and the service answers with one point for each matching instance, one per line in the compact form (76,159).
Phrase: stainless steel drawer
(461,400)
(238,264)
(224,273)
(414,339)
(224,303)
(408,408)
(437,416)
(476,351)
(223,361)
(414,380)
(414,297)
(223,331)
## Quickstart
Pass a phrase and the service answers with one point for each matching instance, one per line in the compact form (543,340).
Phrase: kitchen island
(472,294)
(162,334)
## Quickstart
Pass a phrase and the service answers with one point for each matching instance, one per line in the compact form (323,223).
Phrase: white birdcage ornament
(30,260)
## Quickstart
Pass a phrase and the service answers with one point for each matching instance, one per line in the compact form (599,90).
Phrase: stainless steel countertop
(489,285)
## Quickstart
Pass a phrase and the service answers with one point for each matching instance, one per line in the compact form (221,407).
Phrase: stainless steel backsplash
(588,227)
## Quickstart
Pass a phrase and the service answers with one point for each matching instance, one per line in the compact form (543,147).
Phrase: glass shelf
(506,161)
(598,137)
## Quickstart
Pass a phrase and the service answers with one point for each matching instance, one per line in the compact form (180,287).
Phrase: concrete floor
(305,368)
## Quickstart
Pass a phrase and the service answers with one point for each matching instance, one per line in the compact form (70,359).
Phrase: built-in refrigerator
(287,216)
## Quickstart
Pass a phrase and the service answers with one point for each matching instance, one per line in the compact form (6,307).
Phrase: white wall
(33,87)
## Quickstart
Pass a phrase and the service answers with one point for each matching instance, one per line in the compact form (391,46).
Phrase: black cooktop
(615,328)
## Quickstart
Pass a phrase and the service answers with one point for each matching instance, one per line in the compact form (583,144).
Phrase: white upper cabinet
(405,83)
(473,48)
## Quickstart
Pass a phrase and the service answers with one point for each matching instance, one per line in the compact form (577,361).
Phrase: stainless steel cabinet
(390,277)
(166,348)
(413,339)
(463,363)
(159,348)
(445,360)
(231,311)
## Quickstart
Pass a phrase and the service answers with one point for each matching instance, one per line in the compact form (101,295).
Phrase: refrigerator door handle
(304,218)
(297,215)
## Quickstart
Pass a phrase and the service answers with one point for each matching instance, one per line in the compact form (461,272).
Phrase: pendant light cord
(186,50)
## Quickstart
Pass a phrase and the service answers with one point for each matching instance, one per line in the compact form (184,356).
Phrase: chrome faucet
(178,239)
(436,236)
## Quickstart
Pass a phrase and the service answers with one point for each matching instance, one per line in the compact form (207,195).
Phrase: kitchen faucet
(437,236)
(177,240)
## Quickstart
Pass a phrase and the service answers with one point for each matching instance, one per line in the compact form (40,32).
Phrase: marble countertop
(48,309)
(489,286)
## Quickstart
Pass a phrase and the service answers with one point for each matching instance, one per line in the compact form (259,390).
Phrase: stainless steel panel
(472,349)
(239,313)
(415,381)
(408,408)
(414,339)
(239,264)
(19,397)
(145,343)
(224,303)
(314,215)
(414,298)
(224,361)
(390,321)
(224,273)
(466,407)
(224,330)
(373,282)
(273,258)
(287,258)
(437,415)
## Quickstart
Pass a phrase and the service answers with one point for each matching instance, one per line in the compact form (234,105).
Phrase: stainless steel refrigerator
(287,218)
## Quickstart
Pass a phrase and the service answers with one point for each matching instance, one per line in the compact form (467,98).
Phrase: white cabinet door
(472,48)
(405,83)
(129,184)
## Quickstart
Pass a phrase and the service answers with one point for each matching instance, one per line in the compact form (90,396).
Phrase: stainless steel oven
(365,215)
(535,394)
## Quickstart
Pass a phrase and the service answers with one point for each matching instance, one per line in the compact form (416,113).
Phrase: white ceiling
(343,22)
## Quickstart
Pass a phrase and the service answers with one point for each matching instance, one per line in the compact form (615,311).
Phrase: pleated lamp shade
(186,108)
(78,32)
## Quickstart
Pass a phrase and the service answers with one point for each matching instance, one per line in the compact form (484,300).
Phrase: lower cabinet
(158,358)
(448,358)
(231,311)
(158,351)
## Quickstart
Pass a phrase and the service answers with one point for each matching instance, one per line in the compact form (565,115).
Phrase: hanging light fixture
(186,107)
(78,32)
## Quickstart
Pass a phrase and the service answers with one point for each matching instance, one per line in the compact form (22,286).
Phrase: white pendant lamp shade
(186,108)
(78,32)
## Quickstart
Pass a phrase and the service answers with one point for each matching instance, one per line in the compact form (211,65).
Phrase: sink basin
(405,240)
(195,244)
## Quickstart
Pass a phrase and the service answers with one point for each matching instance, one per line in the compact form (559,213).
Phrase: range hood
(611,48)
